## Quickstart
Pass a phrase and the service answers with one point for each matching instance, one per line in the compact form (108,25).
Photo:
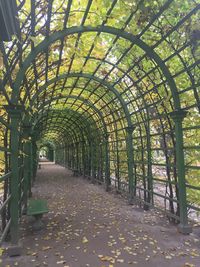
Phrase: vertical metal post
(64,157)
(93,159)
(34,159)
(31,168)
(83,157)
(68,156)
(178,117)
(51,155)
(65,148)
(21,175)
(149,172)
(117,173)
(77,157)
(101,162)
(131,177)
(15,116)
(27,165)
(89,160)
(73,156)
(107,163)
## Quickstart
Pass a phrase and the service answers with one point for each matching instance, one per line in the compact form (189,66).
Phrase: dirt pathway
(87,227)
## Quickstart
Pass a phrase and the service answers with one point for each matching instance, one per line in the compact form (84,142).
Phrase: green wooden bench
(36,208)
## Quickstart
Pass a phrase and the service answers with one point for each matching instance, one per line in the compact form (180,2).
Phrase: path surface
(87,227)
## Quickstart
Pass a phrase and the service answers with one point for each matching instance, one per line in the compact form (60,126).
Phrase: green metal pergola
(111,88)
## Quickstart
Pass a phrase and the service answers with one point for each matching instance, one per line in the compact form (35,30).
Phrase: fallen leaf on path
(45,248)
(84,240)
(1,251)
(189,265)
(107,258)
(120,260)
(60,262)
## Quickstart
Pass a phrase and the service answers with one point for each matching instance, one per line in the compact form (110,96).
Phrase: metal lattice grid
(113,85)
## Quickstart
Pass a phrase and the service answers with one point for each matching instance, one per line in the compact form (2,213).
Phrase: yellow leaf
(84,240)
(188,265)
(168,257)
(107,258)
(46,248)
(194,254)
(60,262)
(1,251)
(120,260)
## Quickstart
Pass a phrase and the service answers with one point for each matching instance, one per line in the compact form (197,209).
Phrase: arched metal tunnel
(114,96)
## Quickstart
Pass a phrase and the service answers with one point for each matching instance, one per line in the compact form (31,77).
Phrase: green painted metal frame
(103,29)
(103,124)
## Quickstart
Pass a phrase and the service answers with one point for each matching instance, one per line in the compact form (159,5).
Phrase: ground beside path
(87,227)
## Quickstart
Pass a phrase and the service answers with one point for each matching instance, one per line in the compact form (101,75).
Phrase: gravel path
(87,227)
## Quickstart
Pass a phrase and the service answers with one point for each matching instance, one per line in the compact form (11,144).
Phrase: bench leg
(38,224)
(14,250)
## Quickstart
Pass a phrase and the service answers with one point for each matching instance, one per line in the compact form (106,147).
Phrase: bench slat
(37,206)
